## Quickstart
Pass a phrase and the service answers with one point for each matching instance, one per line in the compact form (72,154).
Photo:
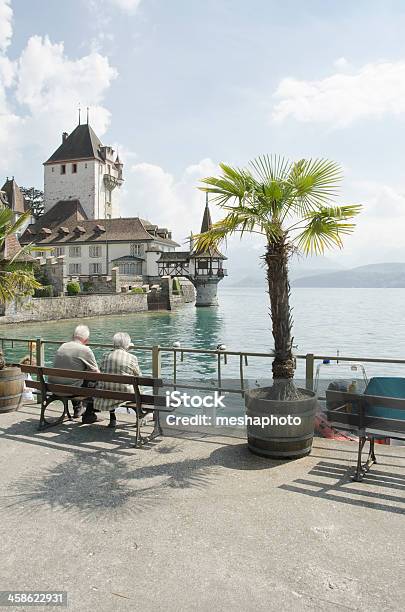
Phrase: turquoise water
(357,322)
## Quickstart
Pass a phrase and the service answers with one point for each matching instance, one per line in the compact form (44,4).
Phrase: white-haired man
(76,355)
(117,361)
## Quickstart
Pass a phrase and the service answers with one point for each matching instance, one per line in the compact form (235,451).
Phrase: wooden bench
(138,401)
(353,412)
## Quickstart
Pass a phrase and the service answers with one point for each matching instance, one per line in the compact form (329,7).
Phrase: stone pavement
(195,522)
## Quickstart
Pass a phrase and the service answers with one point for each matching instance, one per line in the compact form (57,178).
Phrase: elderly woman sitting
(117,361)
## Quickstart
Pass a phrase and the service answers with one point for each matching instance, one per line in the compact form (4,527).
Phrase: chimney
(64,136)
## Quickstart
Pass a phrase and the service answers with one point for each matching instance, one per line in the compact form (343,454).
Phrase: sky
(179,86)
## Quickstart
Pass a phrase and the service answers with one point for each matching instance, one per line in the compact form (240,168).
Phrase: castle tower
(83,169)
(207,267)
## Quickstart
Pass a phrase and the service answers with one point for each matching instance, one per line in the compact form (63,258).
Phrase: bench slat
(343,418)
(70,391)
(370,400)
(93,376)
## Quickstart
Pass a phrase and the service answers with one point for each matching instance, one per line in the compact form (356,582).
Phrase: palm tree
(16,275)
(291,205)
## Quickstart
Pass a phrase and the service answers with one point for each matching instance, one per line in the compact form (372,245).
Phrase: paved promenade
(196,522)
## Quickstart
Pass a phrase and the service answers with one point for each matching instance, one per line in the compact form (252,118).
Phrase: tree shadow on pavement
(88,484)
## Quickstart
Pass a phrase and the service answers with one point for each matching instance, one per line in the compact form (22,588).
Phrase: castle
(82,227)
(82,223)
(83,169)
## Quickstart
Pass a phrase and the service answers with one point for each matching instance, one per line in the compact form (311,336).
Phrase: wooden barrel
(289,436)
(11,388)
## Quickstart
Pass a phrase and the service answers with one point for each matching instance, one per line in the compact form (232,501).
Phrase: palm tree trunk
(276,258)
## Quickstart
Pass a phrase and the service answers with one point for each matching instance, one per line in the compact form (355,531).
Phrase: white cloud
(375,90)
(6,28)
(50,83)
(341,64)
(379,227)
(39,97)
(156,195)
(381,200)
(127,5)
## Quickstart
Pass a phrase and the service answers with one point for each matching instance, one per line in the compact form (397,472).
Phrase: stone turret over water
(204,267)
(208,267)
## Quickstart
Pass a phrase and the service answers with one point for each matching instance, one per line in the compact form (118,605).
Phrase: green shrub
(176,286)
(40,274)
(44,291)
(137,290)
(73,288)
(88,287)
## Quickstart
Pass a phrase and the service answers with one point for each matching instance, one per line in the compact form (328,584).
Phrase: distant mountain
(374,275)
(254,275)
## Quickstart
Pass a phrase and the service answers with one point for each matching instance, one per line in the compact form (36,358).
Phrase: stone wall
(188,290)
(72,307)
(97,283)
(161,297)
(206,290)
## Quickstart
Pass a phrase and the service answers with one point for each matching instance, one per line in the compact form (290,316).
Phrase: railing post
(156,361)
(309,371)
(40,357)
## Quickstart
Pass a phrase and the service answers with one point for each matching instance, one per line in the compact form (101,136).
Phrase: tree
(290,204)
(16,275)
(35,199)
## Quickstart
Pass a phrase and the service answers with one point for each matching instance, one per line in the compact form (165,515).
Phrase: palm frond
(20,222)
(326,227)
(314,182)
(271,168)
(16,277)
(259,199)
(6,215)
(16,282)
(235,222)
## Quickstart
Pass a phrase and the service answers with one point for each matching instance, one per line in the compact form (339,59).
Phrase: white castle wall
(109,252)
(86,185)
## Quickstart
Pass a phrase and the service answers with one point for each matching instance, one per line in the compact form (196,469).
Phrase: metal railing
(219,355)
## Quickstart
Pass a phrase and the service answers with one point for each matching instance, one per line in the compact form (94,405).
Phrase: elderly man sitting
(117,361)
(76,355)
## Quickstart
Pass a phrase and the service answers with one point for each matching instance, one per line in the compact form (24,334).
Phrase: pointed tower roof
(15,198)
(82,143)
(207,221)
(205,226)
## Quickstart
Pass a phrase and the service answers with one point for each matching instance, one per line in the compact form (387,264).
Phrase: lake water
(357,322)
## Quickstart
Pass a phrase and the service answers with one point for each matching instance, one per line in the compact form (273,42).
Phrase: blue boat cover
(386,387)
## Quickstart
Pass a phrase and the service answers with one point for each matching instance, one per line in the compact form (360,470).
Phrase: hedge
(73,288)
(44,291)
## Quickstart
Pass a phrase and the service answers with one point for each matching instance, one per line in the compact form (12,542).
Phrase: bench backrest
(44,386)
(356,411)
(385,386)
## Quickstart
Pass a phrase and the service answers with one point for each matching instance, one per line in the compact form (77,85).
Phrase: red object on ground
(323,429)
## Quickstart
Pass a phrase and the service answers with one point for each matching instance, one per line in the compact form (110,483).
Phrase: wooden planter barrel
(11,389)
(281,441)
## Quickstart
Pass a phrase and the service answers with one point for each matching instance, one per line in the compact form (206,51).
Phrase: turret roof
(15,198)
(206,222)
(212,251)
(82,143)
